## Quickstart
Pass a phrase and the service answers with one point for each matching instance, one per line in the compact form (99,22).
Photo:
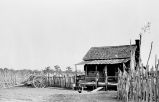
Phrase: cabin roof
(109,52)
(112,61)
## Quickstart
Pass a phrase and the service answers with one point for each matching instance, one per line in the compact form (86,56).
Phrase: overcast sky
(39,33)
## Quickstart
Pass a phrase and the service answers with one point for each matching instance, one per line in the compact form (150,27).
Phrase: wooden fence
(141,85)
(64,82)
(10,78)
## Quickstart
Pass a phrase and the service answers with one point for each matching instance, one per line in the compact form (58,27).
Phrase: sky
(35,34)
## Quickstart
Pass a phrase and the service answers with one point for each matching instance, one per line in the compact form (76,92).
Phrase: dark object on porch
(101,64)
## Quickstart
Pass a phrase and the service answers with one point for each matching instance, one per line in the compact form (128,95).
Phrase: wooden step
(97,89)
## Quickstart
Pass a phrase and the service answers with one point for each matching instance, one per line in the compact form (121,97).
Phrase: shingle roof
(109,52)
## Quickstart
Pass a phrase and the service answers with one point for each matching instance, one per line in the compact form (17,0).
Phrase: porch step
(97,89)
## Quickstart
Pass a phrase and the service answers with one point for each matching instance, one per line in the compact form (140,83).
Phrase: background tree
(58,70)
(36,72)
(47,71)
(69,71)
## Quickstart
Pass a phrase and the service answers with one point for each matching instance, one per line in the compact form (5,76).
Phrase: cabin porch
(101,75)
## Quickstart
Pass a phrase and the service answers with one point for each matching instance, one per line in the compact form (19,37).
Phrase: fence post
(157,81)
(157,86)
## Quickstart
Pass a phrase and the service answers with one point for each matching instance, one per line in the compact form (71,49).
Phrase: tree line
(56,70)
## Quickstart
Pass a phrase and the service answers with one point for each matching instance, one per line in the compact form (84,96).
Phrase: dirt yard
(25,94)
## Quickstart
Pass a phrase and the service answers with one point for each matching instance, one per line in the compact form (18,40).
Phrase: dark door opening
(112,72)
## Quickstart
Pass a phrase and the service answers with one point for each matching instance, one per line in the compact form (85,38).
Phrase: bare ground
(25,94)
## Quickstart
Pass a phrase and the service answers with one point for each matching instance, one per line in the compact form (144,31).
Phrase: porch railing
(111,79)
(92,78)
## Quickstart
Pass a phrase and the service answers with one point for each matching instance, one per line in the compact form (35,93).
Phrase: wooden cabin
(101,64)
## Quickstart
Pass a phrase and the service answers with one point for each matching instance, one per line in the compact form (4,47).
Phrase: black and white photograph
(79,51)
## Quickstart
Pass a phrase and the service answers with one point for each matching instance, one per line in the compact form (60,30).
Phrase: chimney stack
(137,52)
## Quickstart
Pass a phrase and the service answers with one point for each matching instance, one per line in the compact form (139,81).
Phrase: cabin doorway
(112,70)
(112,73)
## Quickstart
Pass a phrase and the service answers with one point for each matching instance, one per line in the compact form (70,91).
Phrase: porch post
(97,77)
(96,68)
(86,71)
(106,77)
(76,75)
